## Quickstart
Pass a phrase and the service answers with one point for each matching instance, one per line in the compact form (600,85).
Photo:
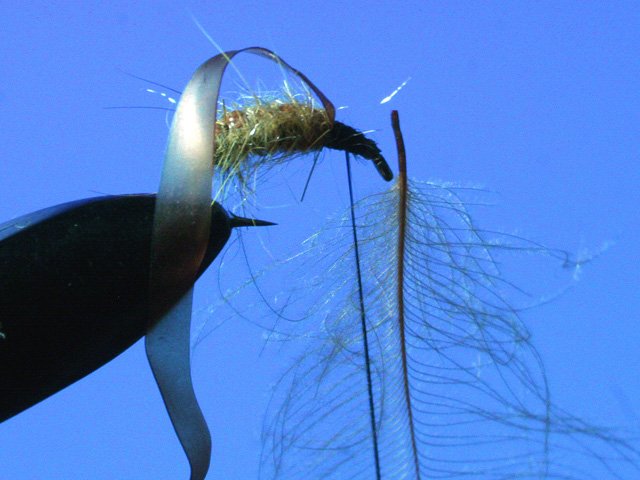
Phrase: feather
(455,386)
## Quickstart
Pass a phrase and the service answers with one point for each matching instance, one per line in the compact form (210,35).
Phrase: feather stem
(365,340)
(402,231)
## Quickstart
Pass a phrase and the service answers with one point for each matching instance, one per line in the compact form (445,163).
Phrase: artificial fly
(261,131)
(273,131)
(200,144)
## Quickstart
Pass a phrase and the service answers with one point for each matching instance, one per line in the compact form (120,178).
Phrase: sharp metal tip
(249,222)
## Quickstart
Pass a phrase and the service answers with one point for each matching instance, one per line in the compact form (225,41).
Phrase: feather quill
(455,387)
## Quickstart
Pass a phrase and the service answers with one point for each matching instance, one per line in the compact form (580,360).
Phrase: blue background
(538,102)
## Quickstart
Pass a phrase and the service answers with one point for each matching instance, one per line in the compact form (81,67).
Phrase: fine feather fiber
(479,405)
(458,387)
